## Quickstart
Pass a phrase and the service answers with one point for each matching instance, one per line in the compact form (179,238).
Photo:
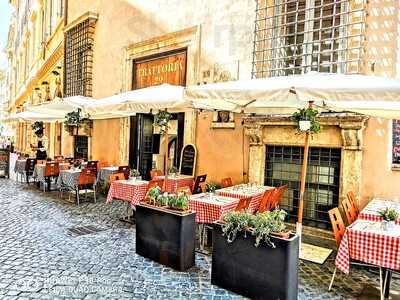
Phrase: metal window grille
(299,36)
(78,59)
(283,166)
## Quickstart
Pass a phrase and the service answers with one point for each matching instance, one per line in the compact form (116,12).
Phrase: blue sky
(5,14)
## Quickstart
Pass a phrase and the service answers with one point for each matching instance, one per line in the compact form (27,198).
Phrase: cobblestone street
(40,259)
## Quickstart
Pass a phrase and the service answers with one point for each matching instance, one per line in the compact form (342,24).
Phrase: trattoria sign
(167,69)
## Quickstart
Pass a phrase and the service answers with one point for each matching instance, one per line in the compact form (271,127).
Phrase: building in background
(35,52)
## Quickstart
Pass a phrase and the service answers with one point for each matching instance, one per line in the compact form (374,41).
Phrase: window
(283,166)
(299,36)
(78,59)
(396,142)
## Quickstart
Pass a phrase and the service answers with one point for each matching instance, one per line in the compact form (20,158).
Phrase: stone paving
(39,259)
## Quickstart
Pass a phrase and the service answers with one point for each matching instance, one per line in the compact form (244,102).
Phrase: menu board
(188,160)
(396,142)
(4,162)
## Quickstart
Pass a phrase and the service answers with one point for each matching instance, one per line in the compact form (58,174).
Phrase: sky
(5,15)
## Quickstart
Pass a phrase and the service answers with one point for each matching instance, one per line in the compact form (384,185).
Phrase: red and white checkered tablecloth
(128,190)
(211,210)
(173,183)
(256,194)
(367,242)
(370,212)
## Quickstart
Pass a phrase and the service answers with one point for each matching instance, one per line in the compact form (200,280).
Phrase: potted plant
(135,174)
(161,120)
(253,258)
(306,120)
(166,230)
(389,216)
(37,127)
(211,187)
(74,120)
(173,171)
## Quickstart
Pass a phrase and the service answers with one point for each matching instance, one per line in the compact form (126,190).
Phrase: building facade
(115,46)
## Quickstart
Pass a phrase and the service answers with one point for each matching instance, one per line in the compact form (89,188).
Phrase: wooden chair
(226,182)
(51,171)
(87,180)
(155,173)
(116,176)
(126,170)
(265,204)
(349,210)
(92,164)
(243,204)
(185,189)
(338,232)
(352,199)
(29,168)
(278,195)
(197,189)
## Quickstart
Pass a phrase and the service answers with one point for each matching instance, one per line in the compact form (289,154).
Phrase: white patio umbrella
(370,95)
(59,107)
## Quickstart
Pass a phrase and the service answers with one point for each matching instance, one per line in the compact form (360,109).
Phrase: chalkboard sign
(396,142)
(188,160)
(4,162)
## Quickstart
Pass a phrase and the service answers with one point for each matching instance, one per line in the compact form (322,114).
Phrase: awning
(28,116)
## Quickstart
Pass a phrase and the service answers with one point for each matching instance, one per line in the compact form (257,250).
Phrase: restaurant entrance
(146,149)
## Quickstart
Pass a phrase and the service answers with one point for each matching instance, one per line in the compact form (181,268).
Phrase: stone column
(350,177)
(257,154)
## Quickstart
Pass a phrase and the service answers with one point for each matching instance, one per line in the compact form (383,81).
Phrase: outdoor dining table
(176,181)
(255,192)
(38,172)
(367,241)
(210,208)
(371,211)
(103,174)
(131,190)
(68,179)
(19,168)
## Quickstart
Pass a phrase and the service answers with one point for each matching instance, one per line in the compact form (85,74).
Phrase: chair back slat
(197,189)
(278,195)
(337,224)
(116,176)
(155,173)
(126,170)
(243,204)
(226,182)
(87,176)
(265,204)
(352,199)
(349,210)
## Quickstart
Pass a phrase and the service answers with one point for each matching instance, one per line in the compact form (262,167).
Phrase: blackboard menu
(396,142)
(188,160)
(4,162)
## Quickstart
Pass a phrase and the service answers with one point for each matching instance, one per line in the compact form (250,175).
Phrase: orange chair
(349,210)
(87,179)
(155,173)
(226,182)
(185,189)
(126,170)
(154,183)
(102,164)
(265,204)
(352,199)
(116,176)
(243,204)
(278,195)
(52,170)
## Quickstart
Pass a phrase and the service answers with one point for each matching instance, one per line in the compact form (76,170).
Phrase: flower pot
(304,125)
(256,272)
(165,236)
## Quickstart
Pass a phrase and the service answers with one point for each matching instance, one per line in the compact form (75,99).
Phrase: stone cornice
(89,15)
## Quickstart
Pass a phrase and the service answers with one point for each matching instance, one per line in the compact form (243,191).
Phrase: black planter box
(256,272)
(166,237)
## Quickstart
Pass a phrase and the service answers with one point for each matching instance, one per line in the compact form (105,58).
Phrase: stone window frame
(394,165)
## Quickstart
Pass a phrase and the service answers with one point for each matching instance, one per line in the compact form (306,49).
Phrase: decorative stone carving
(254,132)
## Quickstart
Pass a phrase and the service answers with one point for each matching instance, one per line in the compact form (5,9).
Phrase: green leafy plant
(161,119)
(266,223)
(135,173)
(38,127)
(261,225)
(235,222)
(179,202)
(153,194)
(307,114)
(162,199)
(389,214)
(173,170)
(211,187)
(75,119)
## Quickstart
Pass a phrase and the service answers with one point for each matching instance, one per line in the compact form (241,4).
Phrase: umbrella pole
(166,157)
(303,183)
